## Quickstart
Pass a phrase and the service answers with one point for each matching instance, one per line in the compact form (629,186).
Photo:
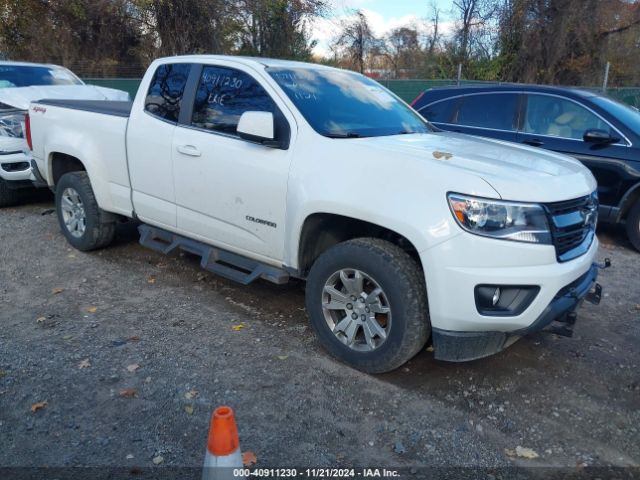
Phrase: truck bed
(105,107)
(94,133)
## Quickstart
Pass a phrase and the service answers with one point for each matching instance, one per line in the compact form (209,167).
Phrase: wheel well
(322,231)
(62,163)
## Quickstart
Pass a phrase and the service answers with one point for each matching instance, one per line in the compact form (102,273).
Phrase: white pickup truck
(273,169)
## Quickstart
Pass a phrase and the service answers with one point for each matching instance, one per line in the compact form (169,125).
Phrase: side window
(556,117)
(491,110)
(166,90)
(223,95)
(439,112)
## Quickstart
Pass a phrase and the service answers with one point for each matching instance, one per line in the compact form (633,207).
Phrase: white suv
(20,84)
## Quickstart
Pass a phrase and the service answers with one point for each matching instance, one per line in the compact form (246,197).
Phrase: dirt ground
(127,352)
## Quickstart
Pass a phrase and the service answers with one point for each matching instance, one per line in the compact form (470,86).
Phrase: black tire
(633,225)
(100,227)
(402,281)
(8,196)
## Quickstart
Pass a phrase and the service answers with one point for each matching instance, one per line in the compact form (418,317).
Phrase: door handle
(534,142)
(189,150)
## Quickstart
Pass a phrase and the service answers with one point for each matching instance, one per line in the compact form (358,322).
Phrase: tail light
(27,131)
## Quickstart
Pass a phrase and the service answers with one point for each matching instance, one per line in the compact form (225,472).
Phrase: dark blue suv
(597,130)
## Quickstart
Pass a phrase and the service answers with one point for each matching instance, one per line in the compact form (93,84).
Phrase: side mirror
(258,127)
(598,137)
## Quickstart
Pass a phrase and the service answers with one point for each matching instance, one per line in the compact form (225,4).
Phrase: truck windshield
(341,104)
(28,75)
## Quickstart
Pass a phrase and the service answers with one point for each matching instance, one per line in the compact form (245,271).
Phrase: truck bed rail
(105,107)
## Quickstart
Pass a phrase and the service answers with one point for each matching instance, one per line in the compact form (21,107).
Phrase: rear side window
(223,95)
(493,110)
(439,112)
(166,90)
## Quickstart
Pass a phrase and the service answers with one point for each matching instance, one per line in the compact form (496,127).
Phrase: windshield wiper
(343,135)
(410,132)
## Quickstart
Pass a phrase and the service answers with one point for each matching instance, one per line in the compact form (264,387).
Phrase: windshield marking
(341,104)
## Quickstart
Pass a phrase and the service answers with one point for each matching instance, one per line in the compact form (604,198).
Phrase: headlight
(11,124)
(521,222)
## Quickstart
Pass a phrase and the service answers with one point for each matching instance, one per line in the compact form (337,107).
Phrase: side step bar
(221,262)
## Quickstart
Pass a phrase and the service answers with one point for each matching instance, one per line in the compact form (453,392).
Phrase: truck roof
(252,61)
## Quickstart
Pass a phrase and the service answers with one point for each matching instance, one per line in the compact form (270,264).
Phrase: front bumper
(15,167)
(455,267)
(464,346)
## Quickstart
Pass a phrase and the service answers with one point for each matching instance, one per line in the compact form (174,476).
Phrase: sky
(383,16)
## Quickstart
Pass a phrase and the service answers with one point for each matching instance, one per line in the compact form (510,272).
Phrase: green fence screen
(127,84)
(405,89)
(408,90)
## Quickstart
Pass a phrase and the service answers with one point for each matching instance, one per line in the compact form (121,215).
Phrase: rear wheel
(83,223)
(633,225)
(366,300)
(8,196)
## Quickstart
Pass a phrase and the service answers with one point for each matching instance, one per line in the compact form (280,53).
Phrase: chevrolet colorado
(274,169)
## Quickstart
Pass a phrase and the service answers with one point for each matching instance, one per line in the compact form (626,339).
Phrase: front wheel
(83,223)
(633,225)
(366,299)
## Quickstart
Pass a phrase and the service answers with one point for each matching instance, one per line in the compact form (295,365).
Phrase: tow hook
(563,326)
(595,295)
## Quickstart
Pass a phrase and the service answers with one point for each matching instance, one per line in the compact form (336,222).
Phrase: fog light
(504,300)
(496,297)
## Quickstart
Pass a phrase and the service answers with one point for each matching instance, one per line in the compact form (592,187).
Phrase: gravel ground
(131,351)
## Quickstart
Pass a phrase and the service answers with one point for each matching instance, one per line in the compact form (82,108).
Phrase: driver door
(231,192)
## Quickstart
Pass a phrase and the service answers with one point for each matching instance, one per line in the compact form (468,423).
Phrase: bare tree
(356,40)
(186,26)
(277,28)
(433,37)
(542,41)
(552,41)
(402,49)
(94,36)
(473,18)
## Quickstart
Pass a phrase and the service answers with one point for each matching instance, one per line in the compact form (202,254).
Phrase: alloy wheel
(73,214)
(356,309)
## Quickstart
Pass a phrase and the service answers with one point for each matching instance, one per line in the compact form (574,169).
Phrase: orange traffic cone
(223,459)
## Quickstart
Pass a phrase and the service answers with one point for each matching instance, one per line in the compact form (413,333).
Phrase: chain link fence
(408,90)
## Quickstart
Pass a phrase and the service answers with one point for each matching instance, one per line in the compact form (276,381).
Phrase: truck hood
(21,97)
(515,172)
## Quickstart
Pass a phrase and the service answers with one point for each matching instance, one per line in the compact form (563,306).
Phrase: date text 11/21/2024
(316,473)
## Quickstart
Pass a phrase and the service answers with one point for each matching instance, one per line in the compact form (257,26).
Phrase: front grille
(573,225)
